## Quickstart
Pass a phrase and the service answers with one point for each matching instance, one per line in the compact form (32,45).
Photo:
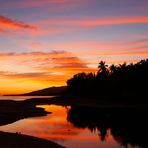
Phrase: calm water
(56,127)
(77,127)
(20,98)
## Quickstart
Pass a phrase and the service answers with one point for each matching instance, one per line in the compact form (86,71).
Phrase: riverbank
(88,102)
(11,111)
(18,140)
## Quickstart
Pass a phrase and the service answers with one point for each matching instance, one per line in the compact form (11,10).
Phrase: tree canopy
(123,80)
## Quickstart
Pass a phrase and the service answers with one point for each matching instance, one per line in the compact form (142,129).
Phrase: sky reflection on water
(56,127)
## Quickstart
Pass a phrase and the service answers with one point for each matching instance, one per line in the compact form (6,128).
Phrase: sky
(45,42)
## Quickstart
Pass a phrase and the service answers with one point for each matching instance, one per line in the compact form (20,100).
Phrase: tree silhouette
(127,125)
(103,71)
(102,66)
(113,68)
(117,81)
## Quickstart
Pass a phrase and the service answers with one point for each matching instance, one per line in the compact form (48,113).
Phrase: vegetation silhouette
(12,111)
(112,82)
(18,140)
(128,126)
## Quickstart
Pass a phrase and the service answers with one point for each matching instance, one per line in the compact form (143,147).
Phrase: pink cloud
(65,25)
(58,4)
(81,48)
(42,31)
(9,24)
(61,26)
(94,22)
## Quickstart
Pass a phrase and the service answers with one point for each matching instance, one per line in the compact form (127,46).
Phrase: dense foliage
(115,81)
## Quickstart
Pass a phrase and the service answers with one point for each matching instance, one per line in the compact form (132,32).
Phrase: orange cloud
(2,31)
(44,69)
(69,62)
(38,70)
(37,63)
(7,23)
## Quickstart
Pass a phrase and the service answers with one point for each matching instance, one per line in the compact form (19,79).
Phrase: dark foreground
(12,111)
(83,113)
(17,140)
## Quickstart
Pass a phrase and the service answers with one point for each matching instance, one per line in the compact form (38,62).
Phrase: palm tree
(102,66)
(113,68)
(123,66)
(103,71)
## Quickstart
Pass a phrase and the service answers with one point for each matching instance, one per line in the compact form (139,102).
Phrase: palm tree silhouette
(102,66)
(103,71)
(113,68)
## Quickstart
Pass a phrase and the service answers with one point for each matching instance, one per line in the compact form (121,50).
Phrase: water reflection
(56,127)
(77,127)
(21,98)
(128,126)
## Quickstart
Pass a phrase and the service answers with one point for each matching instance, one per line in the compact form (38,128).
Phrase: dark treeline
(127,125)
(122,81)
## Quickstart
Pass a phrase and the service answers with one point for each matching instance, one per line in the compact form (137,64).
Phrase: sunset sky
(44,42)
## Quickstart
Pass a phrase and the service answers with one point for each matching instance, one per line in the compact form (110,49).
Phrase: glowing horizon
(43,43)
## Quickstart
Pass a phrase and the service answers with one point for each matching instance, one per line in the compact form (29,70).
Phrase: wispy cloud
(43,69)
(64,25)
(53,61)
(69,62)
(9,24)
(90,47)
(58,4)
(38,69)
(89,22)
